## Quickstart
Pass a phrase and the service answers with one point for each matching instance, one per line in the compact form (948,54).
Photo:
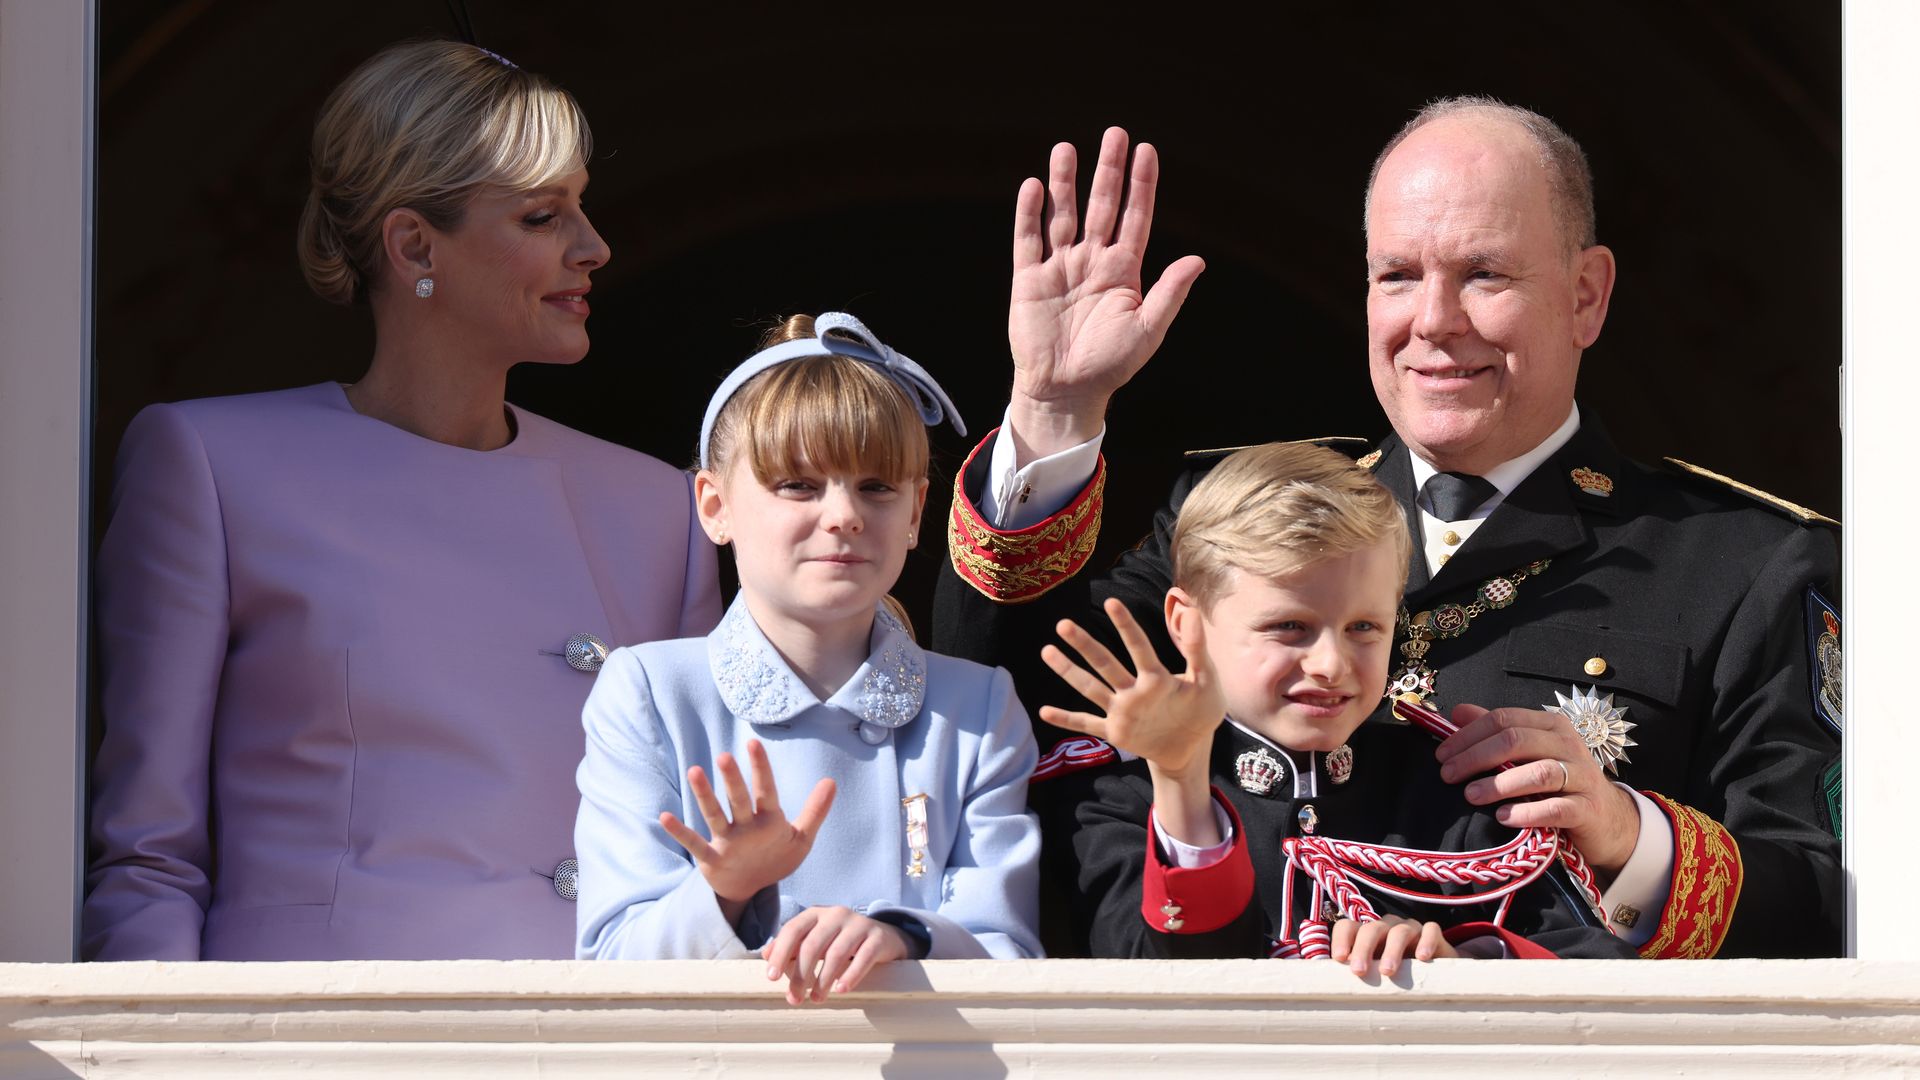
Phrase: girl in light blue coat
(915,841)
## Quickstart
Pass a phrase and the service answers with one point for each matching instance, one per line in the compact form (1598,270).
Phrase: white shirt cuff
(1638,895)
(1186,856)
(1018,497)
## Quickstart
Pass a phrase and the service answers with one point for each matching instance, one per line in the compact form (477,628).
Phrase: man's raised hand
(1079,323)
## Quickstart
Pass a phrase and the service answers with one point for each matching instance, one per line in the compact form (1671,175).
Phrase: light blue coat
(907,723)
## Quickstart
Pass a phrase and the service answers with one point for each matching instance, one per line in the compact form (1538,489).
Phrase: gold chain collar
(1414,680)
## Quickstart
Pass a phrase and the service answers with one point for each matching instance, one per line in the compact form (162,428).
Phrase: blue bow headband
(849,337)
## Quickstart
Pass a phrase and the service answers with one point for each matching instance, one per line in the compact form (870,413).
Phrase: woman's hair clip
(504,62)
(840,334)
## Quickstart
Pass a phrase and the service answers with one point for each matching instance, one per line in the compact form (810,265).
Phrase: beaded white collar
(758,686)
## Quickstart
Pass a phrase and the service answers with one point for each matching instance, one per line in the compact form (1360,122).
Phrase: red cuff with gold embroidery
(1707,875)
(1518,948)
(1021,565)
(1178,900)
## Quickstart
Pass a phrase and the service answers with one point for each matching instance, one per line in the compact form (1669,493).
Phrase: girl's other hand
(826,950)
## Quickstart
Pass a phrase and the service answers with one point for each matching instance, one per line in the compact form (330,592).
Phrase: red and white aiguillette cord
(1338,867)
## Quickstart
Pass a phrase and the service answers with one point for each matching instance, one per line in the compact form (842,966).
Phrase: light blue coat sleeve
(641,897)
(990,905)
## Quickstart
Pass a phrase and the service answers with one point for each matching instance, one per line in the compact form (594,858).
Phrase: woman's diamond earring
(423,288)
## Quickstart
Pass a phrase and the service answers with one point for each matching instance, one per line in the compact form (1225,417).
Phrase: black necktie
(1452,496)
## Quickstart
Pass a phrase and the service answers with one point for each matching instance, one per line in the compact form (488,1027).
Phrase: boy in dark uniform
(1217,840)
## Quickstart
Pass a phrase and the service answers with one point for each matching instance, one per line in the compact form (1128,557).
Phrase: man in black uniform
(1662,614)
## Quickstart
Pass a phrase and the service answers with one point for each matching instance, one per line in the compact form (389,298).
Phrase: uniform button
(1450,538)
(1309,819)
(1595,666)
(1625,915)
(1444,558)
(566,879)
(873,734)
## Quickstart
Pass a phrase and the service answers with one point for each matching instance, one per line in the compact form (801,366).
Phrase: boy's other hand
(758,846)
(1165,718)
(826,950)
(1389,938)
(1079,324)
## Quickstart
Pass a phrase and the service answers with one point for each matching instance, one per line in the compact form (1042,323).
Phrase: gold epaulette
(1346,444)
(1799,513)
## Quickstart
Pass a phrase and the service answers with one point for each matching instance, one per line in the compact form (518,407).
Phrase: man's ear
(407,242)
(710,502)
(1593,271)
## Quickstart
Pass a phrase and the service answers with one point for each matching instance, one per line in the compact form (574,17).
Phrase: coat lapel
(1395,473)
(1543,518)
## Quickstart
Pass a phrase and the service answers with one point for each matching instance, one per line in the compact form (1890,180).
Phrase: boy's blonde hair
(825,413)
(1273,509)
(426,125)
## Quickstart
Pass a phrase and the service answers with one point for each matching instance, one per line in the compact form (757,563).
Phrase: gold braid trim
(1023,565)
(1707,878)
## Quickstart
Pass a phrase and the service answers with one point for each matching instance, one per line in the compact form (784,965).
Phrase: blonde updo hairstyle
(425,125)
(829,414)
(1274,509)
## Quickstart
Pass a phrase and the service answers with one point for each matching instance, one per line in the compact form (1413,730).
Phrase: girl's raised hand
(1167,719)
(829,950)
(757,846)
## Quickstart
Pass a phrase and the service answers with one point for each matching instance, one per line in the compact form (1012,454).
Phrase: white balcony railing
(959,1018)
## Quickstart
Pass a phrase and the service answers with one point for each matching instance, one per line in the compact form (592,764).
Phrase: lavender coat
(337,721)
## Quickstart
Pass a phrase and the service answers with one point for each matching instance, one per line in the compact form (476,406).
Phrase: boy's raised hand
(1167,719)
(758,846)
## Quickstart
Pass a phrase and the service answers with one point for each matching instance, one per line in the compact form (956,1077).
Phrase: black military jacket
(1692,593)
(1394,796)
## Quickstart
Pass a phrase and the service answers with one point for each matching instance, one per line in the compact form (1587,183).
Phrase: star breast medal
(1601,726)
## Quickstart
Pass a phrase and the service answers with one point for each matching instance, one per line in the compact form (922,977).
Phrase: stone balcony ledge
(973,1018)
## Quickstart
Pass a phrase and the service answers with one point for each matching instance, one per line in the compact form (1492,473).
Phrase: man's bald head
(1569,179)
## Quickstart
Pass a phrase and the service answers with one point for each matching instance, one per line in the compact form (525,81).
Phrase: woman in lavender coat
(341,720)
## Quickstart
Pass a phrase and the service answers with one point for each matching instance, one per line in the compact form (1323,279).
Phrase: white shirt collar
(756,684)
(1508,474)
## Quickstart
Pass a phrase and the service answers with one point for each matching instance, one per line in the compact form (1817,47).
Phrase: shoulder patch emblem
(1592,482)
(1792,510)
(1369,460)
(1824,661)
